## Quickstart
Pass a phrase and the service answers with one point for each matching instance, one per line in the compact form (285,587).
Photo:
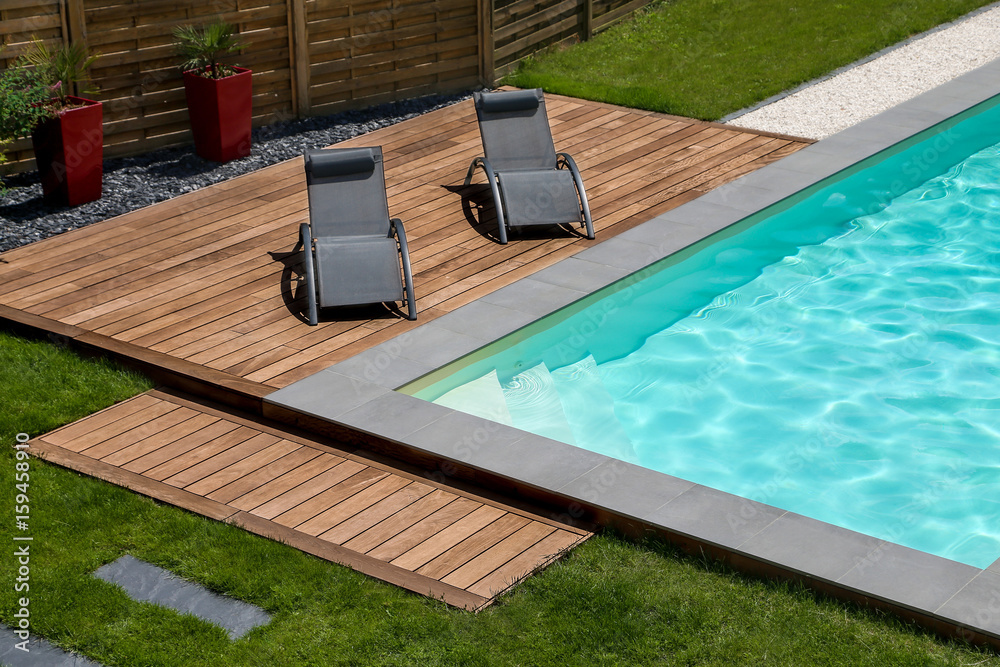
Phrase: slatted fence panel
(607,12)
(308,56)
(137,70)
(364,52)
(524,27)
(20,20)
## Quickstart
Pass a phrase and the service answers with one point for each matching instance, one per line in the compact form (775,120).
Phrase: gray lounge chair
(352,250)
(531,183)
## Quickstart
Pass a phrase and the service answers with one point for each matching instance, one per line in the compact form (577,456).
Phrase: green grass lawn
(611,602)
(708,58)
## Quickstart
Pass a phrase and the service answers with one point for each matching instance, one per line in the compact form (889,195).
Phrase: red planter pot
(69,150)
(220,114)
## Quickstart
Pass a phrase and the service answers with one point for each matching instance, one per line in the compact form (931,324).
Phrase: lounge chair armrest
(568,160)
(491,177)
(564,159)
(305,239)
(487,167)
(397,230)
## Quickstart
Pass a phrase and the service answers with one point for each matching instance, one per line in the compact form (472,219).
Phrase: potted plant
(67,132)
(23,93)
(219,96)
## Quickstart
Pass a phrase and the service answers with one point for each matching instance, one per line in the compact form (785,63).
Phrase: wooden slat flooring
(204,283)
(338,504)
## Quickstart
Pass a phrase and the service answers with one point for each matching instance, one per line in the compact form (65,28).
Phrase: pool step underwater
(589,408)
(532,399)
(482,397)
(570,404)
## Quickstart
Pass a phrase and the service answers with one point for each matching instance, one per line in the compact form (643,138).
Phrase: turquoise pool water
(837,356)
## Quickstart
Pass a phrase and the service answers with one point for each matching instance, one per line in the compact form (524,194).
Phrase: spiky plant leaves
(201,47)
(65,67)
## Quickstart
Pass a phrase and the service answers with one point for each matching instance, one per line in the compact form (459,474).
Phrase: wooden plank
(390,527)
(448,538)
(487,47)
(163,439)
(172,416)
(31,24)
(243,467)
(360,562)
(529,25)
(299,56)
(245,254)
(320,503)
(243,324)
(171,296)
(423,530)
(472,546)
(76,22)
(302,475)
(206,467)
(257,477)
(48,325)
(498,555)
(137,419)
(219,453)
(615,15)
(292,499)
(138,483)
(99,421)
(381,486)
(376,512)
(525,564)
(511,52)
(193,456)
(193,242)
(217,429)
(149,360)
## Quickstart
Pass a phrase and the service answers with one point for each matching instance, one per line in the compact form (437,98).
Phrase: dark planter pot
(69,151)
(220,114)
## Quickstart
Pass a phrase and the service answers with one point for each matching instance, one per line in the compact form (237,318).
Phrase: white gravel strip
(826,106)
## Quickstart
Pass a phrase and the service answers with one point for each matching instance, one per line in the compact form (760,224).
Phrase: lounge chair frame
(532,102)
(341,161)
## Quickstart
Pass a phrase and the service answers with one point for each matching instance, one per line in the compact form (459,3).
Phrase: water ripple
(854,382)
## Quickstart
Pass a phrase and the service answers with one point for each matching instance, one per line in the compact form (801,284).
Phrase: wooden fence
(309,57)
(522,27)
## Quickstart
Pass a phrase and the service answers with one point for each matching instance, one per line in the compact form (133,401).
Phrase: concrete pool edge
(356,399)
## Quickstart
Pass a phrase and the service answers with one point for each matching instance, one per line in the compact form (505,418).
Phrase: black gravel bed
(131,183)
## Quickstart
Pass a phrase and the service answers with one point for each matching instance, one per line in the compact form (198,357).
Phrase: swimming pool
(860,396)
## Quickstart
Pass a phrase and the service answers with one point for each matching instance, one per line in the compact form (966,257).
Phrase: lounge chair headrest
(513,100)
(340,162)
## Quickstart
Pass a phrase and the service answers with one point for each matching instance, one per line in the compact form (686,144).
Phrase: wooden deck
(337,504)
(201,292)
(205,284)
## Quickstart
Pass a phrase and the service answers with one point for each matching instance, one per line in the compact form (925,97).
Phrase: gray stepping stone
(148,583)
(40,653)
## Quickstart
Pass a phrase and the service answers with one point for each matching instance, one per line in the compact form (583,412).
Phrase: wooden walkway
(205,285)
(336,504)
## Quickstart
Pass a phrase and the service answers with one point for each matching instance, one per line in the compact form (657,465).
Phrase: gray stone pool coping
(359,394)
